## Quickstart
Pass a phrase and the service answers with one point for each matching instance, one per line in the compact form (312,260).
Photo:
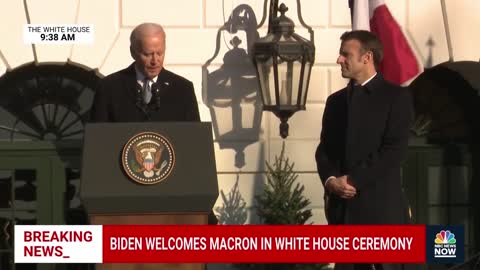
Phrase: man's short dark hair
(368,41)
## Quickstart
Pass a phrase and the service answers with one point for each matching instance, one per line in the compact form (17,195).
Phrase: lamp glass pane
(306,79)
(266,78)
(288,79)
(296,79)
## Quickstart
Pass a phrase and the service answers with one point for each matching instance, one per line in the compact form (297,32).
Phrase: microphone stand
(156,95)
(140,102)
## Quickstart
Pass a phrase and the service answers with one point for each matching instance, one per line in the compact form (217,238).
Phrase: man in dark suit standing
(363,142)
(145,91)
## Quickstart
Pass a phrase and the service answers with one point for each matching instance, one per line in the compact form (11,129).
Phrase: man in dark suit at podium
(145,91)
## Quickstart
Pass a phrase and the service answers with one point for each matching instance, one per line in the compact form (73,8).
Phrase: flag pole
(447,31)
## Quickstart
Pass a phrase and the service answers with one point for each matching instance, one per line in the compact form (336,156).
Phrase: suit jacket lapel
(375,84)
(130,83)
(351,125)
(163,81)
(130,87)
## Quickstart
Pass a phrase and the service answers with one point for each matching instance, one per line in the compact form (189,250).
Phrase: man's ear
(368,57)
(132,53)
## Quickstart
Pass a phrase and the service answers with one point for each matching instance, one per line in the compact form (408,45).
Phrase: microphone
(156,94)
(139,98)
(138,91)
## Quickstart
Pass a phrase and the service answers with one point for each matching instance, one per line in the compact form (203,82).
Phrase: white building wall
(191,27)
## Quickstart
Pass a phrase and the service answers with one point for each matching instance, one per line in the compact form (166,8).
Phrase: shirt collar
(371,84)
(141,77)
(369,79)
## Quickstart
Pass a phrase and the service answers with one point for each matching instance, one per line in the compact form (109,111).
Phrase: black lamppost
(283,61)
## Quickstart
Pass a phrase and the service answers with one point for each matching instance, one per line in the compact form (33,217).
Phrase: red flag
(399,63)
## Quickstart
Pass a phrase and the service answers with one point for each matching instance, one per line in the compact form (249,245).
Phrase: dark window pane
(5,189)
(25,188)
(75,213)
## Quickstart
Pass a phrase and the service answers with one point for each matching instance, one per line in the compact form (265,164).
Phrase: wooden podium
(185,196)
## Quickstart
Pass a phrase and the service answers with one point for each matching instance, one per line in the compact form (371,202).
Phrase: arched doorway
(442,175)
(43,110)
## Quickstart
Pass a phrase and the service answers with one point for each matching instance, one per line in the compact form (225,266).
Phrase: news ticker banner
(58,34)
(229,244)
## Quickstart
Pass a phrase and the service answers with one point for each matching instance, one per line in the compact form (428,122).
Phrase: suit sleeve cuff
(328,179)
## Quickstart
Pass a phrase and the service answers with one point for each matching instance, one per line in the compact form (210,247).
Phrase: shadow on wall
(230,91)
